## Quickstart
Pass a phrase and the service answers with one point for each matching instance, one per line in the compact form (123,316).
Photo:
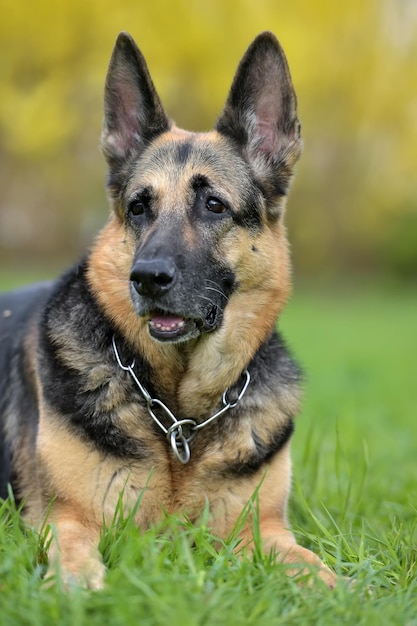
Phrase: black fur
(73,308)
(175,265)
(183,152)
(188,279)
(18,311)
(252,463)
(70,306)
(72,335)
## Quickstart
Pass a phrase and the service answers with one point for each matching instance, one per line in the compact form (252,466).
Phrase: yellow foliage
(354,65)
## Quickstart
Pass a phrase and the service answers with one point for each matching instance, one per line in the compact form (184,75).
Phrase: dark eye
(215,206)
(138,206)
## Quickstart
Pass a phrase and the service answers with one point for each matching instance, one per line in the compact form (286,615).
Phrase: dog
(153,367)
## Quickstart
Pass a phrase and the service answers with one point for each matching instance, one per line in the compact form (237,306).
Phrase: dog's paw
(90,576)
(329,578)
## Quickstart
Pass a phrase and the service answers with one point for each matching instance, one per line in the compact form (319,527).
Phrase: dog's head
(202,213)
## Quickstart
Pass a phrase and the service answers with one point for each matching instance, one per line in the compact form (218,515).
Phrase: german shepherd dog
(155,361)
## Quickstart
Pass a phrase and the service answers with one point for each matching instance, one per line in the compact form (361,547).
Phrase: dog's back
(18,309)
(154,369)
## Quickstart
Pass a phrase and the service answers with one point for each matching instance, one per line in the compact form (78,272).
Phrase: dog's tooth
(168,326)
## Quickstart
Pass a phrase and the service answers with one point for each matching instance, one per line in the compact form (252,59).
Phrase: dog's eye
(139,204)
(215,206)
(136,207)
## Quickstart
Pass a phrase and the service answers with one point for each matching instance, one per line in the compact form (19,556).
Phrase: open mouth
(171,327)
(167,327)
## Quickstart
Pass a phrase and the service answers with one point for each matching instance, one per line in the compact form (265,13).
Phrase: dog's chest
(163,483)
(225,460)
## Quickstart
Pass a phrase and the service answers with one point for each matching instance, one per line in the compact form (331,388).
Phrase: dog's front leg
(279,540)
(73,554)
(273,526)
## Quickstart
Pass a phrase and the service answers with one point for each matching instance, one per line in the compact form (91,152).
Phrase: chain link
(181,432)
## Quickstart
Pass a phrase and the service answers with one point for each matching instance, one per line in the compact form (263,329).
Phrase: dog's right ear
(133,113)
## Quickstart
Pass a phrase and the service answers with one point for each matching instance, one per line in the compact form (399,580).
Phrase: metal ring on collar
(176,428)
(231,405)
(183,456)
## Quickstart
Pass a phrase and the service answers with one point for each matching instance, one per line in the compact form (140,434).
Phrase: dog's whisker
(218,291)
(207,280)
(107,417)
(207,299)
(215,288)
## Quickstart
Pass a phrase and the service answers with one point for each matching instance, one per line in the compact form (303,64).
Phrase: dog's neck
(190,376)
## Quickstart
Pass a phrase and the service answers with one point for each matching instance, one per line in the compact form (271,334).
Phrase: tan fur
(86,481)
(196,378)
(88,485)
(108,274)
(265,287)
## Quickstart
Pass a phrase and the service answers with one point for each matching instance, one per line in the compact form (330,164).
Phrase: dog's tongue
(167,322)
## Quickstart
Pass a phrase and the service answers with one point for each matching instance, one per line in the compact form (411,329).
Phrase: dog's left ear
(261,112)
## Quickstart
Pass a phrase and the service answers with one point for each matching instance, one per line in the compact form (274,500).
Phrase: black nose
(153,277)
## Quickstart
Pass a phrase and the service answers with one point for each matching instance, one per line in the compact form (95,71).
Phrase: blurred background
(352,213)
(353,209)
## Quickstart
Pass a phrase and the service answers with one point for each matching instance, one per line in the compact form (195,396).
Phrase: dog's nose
(153,277)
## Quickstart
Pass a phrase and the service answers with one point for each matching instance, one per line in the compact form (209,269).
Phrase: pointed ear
(261,111)
(133,113)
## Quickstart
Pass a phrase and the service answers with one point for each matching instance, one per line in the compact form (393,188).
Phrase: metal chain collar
(176,433)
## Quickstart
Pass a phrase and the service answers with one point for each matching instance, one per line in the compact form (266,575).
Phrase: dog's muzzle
(174,316)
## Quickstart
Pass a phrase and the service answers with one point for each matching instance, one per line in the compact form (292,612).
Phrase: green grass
(354,500)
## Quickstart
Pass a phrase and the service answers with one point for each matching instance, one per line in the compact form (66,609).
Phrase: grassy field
(354,500)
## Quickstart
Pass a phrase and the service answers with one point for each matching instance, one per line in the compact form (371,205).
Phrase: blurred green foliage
(354,65)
